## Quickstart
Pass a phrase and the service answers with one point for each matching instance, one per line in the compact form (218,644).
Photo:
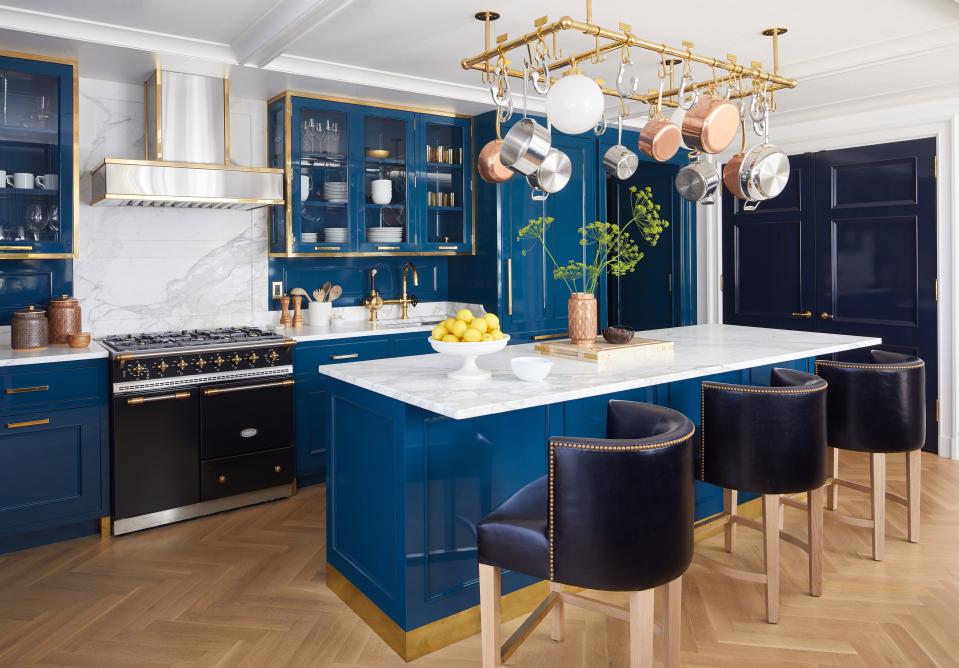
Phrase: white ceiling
(410,50)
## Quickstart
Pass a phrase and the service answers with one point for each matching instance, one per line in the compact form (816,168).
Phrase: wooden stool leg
(814,514)
(771,541)
(557,616)
(673,622)
(730,501)
(877,478)
(913,474)
(491,634)
(641,628)
(832,494)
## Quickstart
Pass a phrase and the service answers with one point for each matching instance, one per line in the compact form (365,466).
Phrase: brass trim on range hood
(187,148)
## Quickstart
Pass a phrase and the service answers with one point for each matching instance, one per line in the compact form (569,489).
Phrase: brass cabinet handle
(806,315)
(826,316)
(277,469)
(347,356)
(176,396)
(213,391)
(326,248)
(387,248)
(221,480)
(509,286)
(447,248)
(24,390)
(545,337)
(28,423)
(22,249)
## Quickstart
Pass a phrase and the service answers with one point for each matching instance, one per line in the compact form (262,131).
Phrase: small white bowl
(531,369)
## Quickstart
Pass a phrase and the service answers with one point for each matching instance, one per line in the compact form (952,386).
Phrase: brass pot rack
(496,57)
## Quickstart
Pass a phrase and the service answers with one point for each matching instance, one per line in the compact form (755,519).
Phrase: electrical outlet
(276,289)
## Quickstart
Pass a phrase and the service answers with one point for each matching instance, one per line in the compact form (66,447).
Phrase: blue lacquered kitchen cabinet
(333,151)
(520,287)
(38,135)
(54,461)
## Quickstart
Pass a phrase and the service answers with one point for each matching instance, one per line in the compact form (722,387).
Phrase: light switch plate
(276,289)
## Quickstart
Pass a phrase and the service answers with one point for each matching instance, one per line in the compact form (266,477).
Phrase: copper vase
(64,317)
(582,318)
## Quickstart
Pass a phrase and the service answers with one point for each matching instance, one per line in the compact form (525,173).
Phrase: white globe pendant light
(574,104)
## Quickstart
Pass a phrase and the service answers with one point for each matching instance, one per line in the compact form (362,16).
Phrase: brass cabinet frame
(287,98)
(29,255)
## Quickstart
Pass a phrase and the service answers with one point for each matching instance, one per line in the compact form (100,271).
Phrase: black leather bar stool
(613,514)
(877,408)
(772,441)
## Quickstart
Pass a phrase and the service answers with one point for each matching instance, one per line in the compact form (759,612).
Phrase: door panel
(876,251)
(768,256)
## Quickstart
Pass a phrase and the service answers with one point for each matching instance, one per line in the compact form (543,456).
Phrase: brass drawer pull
(24,390)
(176,396)
(221,480)
(387,248)
(213,391)
(347,356)
(28,423)
(546,337)
(326,248)
(509,286)
(806,315)
(22,249)
(447,247)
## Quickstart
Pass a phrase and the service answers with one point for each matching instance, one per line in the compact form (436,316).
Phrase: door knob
(803,314)
(826,316)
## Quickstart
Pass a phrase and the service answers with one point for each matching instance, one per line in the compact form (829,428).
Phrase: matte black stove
(202,422)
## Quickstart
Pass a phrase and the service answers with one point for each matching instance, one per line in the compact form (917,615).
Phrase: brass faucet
(374,301)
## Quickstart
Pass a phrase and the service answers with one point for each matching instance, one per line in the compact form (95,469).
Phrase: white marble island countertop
(699,350)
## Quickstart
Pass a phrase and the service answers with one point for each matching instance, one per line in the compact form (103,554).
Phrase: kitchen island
(416,460)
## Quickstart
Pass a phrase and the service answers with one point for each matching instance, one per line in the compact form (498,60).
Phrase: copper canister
(28,329)
(64,317)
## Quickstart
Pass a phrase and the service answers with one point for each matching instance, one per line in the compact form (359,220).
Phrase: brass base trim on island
(410,645)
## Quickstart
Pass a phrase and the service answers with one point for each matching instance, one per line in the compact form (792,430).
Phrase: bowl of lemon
(469,336)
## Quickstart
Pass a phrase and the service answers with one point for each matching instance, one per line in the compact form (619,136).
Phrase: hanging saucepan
(711,124)
(618,160)
(553,174)
(526,144)
(763,171)
(491,169)
(698,181)
(731,168)
(660,137)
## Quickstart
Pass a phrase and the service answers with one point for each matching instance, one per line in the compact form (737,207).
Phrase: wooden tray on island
(602,351)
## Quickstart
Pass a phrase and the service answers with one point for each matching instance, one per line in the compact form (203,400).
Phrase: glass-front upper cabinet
(360,181)
(38,157)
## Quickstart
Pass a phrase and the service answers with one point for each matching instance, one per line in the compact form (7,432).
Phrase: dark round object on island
(618,334)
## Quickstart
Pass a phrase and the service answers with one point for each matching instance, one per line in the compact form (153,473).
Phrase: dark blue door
(876,251)
(848,248)
(768,256)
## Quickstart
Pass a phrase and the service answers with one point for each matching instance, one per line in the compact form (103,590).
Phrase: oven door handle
(213,391)
(136,401)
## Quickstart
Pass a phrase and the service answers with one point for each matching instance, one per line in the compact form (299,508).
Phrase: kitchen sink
(410,322)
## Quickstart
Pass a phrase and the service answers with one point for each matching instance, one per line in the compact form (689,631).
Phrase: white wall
(852,124)
(155,269)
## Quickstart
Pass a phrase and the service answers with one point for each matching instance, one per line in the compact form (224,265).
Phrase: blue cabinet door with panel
(38,133)
(444,185)
(52,469)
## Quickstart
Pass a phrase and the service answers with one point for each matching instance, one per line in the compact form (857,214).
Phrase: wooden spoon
(326,287)
(334,293)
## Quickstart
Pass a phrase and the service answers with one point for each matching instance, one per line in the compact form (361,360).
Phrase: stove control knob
(163,366)
(182,364)
(139,370)
(273,356)
(200,362)
(219,361)
(236,359)
(253,358)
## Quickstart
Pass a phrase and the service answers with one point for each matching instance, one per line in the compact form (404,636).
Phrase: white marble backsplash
(155,269)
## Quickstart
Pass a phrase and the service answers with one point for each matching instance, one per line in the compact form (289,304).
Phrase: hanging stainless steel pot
(764,172)
(618,160)
(526,144)
(698,182)
(553,174)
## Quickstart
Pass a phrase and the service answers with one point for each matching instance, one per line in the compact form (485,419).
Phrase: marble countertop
(58,353)
(699,350)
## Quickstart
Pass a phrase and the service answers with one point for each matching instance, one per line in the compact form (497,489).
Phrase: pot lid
(63,299)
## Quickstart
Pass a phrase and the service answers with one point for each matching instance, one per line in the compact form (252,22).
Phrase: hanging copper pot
(711,124)
(491,169)
(660,137)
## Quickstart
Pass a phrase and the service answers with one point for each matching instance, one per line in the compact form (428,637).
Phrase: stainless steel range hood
(187,148)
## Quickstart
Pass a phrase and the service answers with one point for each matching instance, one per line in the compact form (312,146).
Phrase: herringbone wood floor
(246,588)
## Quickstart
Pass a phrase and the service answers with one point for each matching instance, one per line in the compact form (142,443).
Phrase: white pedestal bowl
(469,352)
